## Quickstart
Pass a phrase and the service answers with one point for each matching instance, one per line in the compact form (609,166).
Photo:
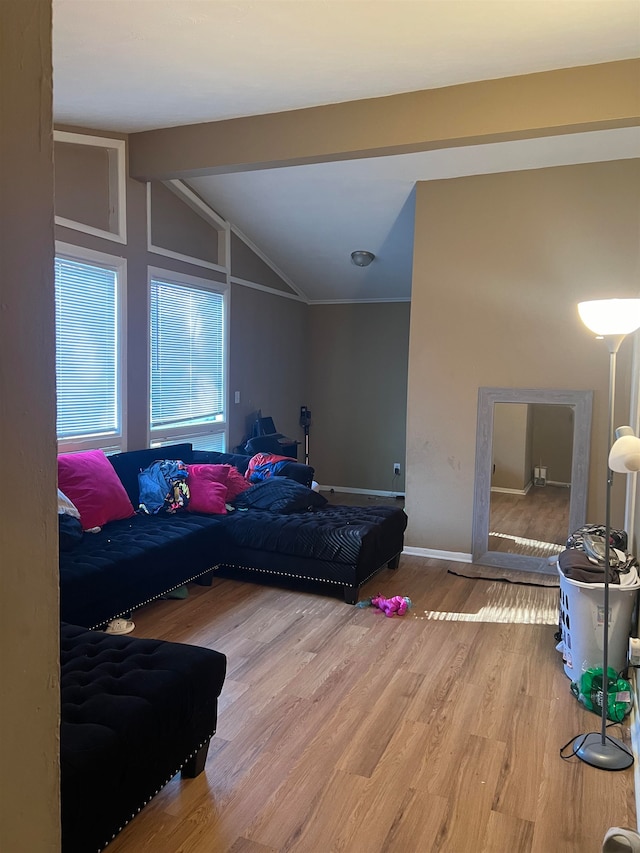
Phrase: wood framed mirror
(531,478)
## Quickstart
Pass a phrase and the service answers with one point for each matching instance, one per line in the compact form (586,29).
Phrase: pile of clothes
(584,557)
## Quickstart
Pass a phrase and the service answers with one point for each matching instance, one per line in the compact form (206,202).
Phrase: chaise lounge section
(340,546)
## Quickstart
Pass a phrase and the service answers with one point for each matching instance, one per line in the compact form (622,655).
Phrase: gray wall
(526,435)
(29,621)
(358,393)
(268,360)
(82,184)
(511,443)
(247,265)
(512,254)
(553,440)
(176,227)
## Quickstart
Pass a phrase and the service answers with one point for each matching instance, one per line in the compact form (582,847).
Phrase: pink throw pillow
(236,484)
(208,488)
(90,482)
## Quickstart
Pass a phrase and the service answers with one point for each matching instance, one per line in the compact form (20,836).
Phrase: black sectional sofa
(134,712)
(280,528)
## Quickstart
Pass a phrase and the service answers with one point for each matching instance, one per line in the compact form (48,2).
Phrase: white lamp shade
(624,456)
(610,316)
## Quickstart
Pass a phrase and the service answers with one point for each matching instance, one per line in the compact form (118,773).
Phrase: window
(89,355)
(188,340)
(210,441)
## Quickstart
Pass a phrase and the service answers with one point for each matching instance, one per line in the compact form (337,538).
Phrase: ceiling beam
(568,100)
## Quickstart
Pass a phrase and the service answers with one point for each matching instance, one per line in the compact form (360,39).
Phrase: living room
(522,301)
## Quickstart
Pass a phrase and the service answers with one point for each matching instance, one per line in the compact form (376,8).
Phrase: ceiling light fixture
(362,258)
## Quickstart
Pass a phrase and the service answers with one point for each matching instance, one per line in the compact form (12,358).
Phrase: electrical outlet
(396,469)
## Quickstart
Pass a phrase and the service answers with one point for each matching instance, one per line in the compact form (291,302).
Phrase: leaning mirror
(532,469)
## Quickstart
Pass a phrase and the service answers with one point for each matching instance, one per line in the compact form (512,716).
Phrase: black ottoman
(339,545)
(133,713)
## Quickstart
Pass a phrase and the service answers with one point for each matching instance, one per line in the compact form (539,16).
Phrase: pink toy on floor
(389,606)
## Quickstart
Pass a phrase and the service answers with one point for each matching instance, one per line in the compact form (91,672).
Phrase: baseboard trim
(505,491)
(432,553)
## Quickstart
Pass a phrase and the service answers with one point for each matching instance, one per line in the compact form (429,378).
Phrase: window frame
(113,443)
(192,432)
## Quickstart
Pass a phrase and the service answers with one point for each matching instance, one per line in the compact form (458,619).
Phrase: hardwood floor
(528,524)
(342,730)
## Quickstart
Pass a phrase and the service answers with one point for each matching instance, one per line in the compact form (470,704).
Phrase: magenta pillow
(91,484)
(236,484)
(208,488)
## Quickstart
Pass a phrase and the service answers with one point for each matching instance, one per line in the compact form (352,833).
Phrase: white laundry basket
(582,624)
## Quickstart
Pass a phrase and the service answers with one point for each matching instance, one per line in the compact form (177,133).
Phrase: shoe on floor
(120,626)
(620,840)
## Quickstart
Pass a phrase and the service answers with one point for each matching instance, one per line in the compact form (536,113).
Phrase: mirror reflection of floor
(536,524)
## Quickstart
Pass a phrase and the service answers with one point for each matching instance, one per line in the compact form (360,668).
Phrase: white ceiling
(129,65)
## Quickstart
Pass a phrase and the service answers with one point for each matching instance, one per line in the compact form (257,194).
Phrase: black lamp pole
(602,750)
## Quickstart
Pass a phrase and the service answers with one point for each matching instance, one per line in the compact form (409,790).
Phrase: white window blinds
(87,366)
(187,355)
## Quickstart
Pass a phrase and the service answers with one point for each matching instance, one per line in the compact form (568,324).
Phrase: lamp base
(612,754)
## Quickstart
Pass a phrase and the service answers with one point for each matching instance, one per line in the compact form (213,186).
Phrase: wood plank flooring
(342,730)
(520,523)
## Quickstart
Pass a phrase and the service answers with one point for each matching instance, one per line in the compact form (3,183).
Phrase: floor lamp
(612,320)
